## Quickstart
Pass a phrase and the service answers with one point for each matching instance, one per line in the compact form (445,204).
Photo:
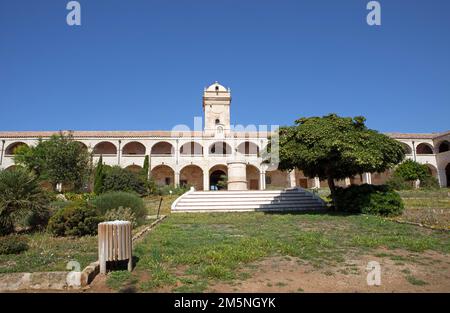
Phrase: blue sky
(142,65)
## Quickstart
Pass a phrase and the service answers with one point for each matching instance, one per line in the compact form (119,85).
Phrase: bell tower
(216,108)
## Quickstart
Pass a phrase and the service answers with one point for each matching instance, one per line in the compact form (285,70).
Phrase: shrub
(13,244)
(77,219)
(398,183)
(429,182)
(369,199)
(119,179)
(20,196)
(114,200)
(122,214)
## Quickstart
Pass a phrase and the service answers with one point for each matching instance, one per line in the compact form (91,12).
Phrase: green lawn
(188,252)
(49,253)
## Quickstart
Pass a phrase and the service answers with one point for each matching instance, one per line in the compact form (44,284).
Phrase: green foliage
(114,200)
(77,219)
(121,214)
(119,179)
(72,196)
(146,168)
(20,196)
(333,147)
(369,199)
(223,182)
(99,177)
(429,182)
(411,170)
(13,244)
(398,183)
(58,160)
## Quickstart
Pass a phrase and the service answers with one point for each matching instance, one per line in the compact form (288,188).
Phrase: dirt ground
(401,271)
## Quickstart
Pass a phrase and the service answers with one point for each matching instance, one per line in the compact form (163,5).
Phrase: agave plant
(20,195)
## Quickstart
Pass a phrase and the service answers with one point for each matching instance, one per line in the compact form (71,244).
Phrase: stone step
(238,201)
(244,201)
(301,196)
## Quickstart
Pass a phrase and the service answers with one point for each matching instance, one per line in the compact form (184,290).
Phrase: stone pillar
(262,180)
(347,181)
(316,182)
(367,178)
(291,179)
(237,175)
(177,179)
(205,179)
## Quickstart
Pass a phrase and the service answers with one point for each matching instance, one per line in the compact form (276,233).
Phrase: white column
(177,179)
(347,181)
(237,175)
(316,182)
(367,178)
(262,180)
(291,178)
(205,179)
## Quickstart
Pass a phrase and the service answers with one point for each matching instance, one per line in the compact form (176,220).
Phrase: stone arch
(220,148)
(407,148)
(162,148)
(134,168)
(163,175)
(248,148)
(444,146)
(192,175)
(215,175)
(82,145)
(11,168)
(253,177)
(432,170)
(105,148)
(424,148)
(11,148)
(133,148)
(191,148)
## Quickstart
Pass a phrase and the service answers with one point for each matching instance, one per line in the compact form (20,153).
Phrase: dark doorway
(215,178)
(447,174)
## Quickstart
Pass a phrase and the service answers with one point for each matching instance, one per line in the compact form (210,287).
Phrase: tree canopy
(59,159)
(333,147)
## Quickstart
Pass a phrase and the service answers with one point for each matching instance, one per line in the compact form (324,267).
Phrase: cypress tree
(99,176)
(146,167)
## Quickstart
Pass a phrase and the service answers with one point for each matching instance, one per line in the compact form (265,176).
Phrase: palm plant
(20,195)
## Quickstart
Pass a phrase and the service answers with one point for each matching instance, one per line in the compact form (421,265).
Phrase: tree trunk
(332,186)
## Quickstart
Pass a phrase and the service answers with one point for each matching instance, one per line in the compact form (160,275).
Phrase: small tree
(411,170)
(99,177)
(333,148)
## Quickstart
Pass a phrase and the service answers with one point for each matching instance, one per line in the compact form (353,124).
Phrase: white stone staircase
(294,199)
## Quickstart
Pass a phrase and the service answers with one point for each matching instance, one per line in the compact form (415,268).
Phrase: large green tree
(333,147)
(59,159)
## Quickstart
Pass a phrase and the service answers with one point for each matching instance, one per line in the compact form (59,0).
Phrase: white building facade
(200,158)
